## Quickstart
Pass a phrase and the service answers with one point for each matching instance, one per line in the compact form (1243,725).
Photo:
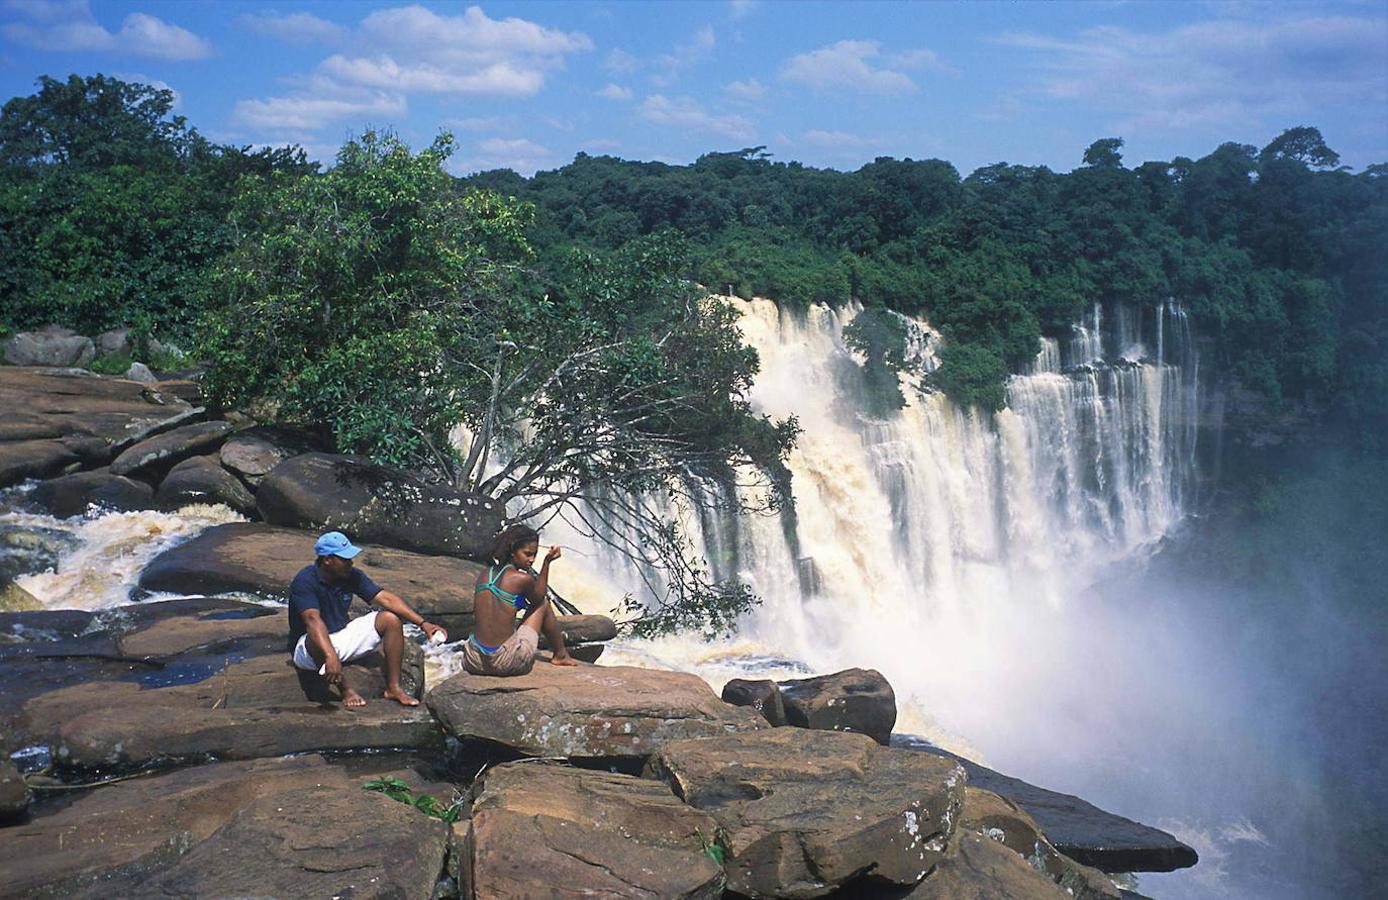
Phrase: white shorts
(354,641)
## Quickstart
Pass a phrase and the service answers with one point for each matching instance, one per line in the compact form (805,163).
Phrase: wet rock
(262,559)
(14,792)
(46,403)
(377,504)
(536,827)
(1078,828)
(51,346)
(201,479)
(584,630)
(33,459)
(174,389)
(27,549)
(153,456)
(71,495)
(976,868)
(283,827)
(764,696)
(254,453)
(613,712)
(14,598)
(857,700)
(803,813)
(1001,820)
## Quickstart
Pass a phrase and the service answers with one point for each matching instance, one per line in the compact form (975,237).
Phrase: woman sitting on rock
(500,644)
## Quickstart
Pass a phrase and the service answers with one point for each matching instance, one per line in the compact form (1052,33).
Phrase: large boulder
(804,813)
(262,559)
(201,479)
(14,792)
(156,455)
(25,549)
(547,830)
(34,459)
(603,712)
(266,828)
(1001,820)
(51,346)
(378,504)
(1078,829)
(254,452)
(977,868)
(857,700)
(762,695)
(72,495)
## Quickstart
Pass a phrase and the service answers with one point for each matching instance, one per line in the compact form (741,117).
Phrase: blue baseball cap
(335,543)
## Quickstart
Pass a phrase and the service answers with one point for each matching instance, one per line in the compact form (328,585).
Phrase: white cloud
(683,112)
(621,62)
(137,78)
(308,113)
(71,27)
(518,154)
(749,91)
(845,66)
(686,55)
(743,8)
(615,92)
(835,140)
(502,78)
(295,28)
(927,60)
(1222,73)
(476,123)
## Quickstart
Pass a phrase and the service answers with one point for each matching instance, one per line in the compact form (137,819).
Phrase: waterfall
(934,544)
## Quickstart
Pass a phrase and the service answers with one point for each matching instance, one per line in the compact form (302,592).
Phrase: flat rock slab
(555,831)
(263,559)
(803,813)
(283,827)
(978,868)
(1078,828)
(585,711)
(186,680)
(158,454)
(48,403)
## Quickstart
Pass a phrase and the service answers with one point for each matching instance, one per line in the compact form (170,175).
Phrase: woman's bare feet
(351,699)
(399,696)
(564,660)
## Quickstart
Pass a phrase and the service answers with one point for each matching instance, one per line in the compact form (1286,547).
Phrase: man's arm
(396,604)
(318,640)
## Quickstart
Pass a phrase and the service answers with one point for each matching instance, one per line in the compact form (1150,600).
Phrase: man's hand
(332,670)
(430,630)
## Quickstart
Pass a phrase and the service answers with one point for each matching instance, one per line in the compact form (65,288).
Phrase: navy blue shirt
(308,590)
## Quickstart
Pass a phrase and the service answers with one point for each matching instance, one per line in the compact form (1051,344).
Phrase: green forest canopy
(115,213)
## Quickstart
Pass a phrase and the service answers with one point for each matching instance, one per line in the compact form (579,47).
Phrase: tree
(1104,153)
(380,300)
(1303,144)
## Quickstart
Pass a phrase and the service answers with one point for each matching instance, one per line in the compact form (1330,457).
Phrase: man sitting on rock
(322,638)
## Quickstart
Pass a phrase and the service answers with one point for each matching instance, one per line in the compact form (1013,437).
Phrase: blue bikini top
(519,601)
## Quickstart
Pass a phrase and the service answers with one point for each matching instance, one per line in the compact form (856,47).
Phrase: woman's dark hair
(511,539)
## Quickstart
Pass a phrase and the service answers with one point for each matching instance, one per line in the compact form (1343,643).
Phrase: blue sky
(527,85)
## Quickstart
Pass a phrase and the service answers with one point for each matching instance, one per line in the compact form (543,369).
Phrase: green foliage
(880,336)
(401,792)
(973,375)
(113,364)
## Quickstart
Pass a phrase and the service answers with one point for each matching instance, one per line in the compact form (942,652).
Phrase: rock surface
(857,700)
(201,479)
(377,504)
(71,495)
(14,792)
(1001,820)
(977,868)
(283,827)
(50,404)
(262,559)
(586,711)
(27,549)
(548,830)
(803,813)
(1078,828)
(51,346)
(154,456)
(253,453)
(764,696)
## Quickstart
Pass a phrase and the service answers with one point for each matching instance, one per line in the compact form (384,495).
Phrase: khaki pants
(515,657)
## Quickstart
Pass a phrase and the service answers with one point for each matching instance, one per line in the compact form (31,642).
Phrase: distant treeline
(113,212)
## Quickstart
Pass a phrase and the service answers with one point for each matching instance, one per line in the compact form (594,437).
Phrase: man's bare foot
(399,696)
(563,661)
(351,699)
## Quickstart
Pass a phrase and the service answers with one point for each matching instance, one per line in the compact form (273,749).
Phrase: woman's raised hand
(554,553)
